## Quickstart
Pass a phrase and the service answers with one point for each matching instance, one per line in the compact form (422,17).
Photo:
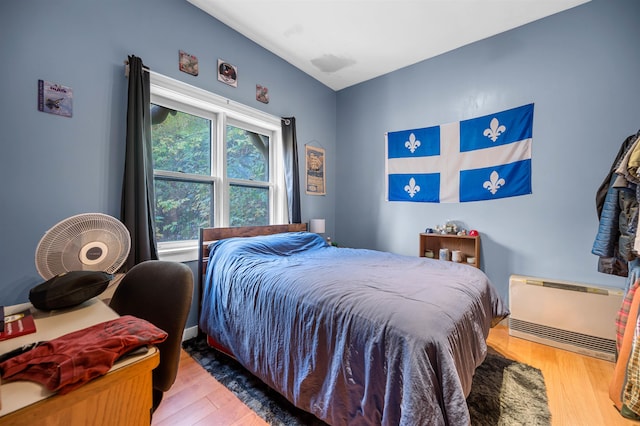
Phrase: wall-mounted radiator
(576,317)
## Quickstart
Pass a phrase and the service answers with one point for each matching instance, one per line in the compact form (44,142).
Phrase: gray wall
(53,167)
(579,67)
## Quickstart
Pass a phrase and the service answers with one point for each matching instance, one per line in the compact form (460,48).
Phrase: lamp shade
(316,226)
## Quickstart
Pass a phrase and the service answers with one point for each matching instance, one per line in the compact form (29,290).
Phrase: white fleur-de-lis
(412,188)
(412,144)
(494,183)
(495,130)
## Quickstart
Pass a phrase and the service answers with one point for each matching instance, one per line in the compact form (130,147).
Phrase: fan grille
(90,241)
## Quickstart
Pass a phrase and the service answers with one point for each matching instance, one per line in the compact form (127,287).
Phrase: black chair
(159,292)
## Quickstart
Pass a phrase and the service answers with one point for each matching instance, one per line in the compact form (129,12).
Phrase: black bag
(69,289)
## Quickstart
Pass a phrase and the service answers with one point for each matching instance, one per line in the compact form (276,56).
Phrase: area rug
(504,392)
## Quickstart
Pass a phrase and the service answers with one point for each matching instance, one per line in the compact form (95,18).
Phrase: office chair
(159,292)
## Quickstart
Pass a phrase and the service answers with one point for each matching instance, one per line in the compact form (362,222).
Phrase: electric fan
(85,242)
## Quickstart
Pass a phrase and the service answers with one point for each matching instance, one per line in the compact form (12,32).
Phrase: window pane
(248,206)
(181,142)
(182,208)
(247,155)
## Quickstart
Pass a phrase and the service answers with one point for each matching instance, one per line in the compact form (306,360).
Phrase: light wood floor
(577,388)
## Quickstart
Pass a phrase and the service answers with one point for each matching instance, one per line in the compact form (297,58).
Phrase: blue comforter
(354,336)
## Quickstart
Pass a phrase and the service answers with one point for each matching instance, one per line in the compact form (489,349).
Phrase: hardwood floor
(577,389)
(196,398)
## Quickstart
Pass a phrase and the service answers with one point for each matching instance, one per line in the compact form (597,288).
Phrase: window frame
(221,111)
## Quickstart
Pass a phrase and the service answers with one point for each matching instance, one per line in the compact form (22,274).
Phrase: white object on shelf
(317,226)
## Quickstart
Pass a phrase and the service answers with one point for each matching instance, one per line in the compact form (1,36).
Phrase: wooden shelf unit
(468,245)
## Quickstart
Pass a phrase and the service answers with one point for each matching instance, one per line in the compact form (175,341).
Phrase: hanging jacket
(606,183)
(608,238)
(617,208)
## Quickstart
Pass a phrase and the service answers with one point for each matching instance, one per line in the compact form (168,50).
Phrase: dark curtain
(138,197)
(291,168)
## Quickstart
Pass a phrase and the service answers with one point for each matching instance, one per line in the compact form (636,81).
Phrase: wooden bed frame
(210,235)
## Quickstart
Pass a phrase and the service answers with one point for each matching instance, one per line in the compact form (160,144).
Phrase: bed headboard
(210,235)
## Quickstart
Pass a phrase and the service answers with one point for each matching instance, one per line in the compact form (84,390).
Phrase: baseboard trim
(190,333)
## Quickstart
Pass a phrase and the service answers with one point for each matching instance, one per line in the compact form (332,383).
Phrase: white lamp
(316,226)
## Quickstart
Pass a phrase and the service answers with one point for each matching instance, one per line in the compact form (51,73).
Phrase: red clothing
(66,363)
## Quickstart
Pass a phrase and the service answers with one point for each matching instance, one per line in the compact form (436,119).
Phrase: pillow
(69,289)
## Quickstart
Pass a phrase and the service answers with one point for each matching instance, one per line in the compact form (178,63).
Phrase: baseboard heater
(571,316)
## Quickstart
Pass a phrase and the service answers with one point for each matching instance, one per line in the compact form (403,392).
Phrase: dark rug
(504,392)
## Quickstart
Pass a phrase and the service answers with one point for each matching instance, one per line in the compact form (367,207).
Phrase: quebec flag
(483,158)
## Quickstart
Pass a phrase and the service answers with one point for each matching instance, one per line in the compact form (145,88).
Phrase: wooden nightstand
(468,245)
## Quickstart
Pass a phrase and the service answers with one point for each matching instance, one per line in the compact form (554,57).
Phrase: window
(216,163)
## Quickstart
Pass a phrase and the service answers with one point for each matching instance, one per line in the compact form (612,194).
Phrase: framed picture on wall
(227,73)
(187,63)
(55,98)
(315,170)
(262,94)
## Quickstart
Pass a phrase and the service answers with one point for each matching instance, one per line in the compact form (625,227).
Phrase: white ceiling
(344,42)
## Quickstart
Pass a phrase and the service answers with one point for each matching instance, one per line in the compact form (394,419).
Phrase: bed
(353,336)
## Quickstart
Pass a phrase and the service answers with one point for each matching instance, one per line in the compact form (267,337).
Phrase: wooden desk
(121,397)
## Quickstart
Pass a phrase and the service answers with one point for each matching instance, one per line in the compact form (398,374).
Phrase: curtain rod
(126,69)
